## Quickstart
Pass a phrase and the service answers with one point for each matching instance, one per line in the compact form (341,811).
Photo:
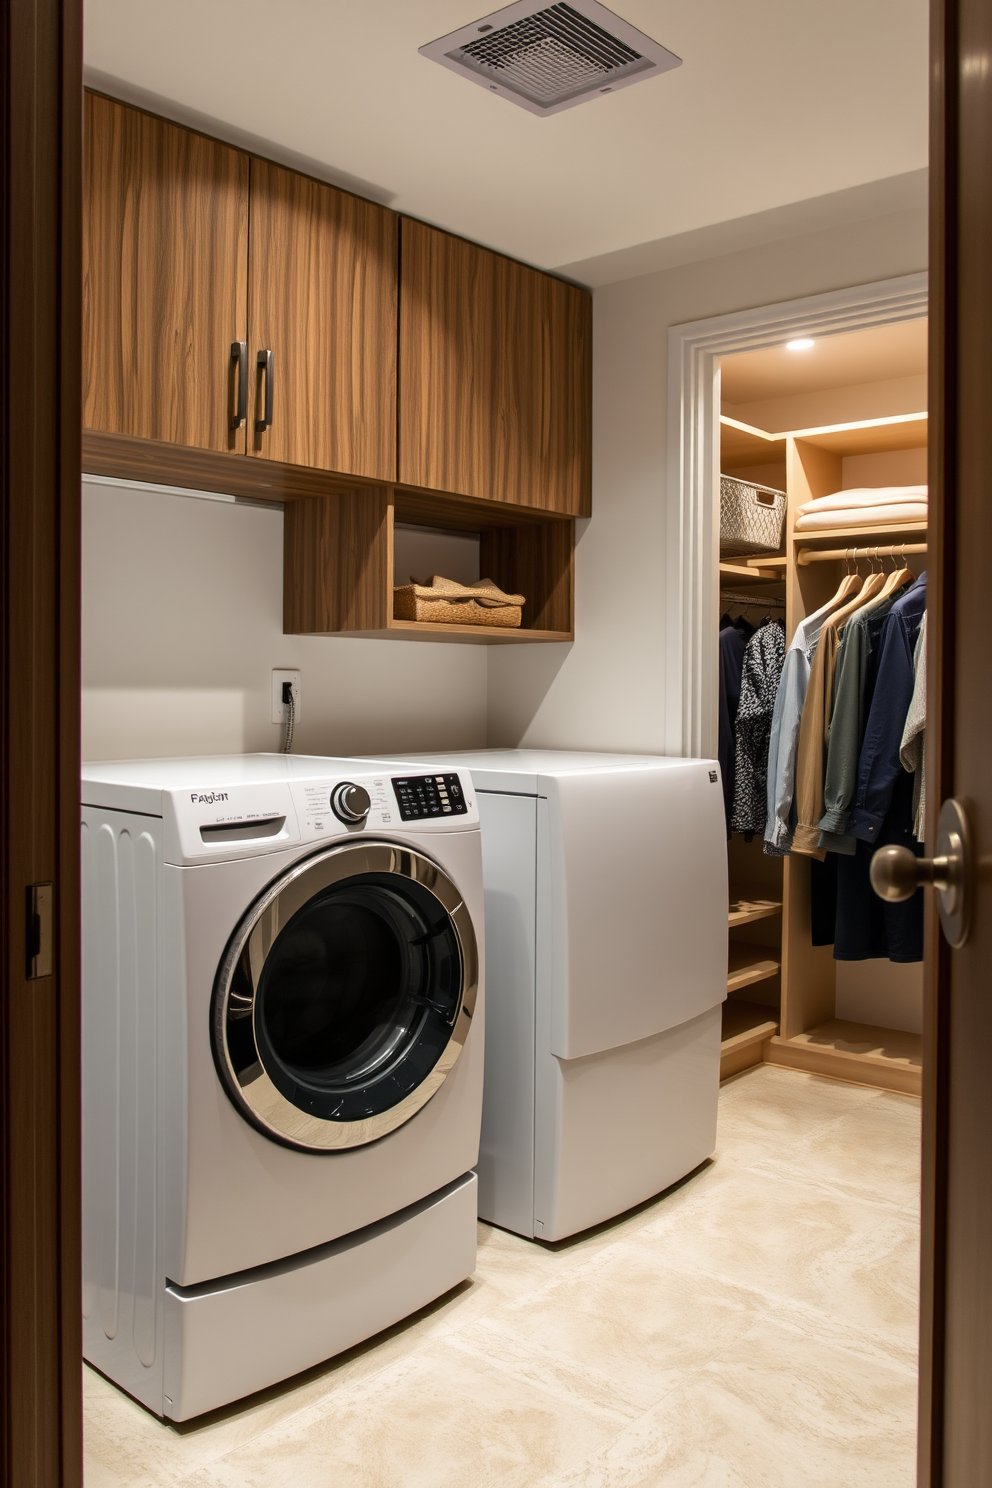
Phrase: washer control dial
(350,803)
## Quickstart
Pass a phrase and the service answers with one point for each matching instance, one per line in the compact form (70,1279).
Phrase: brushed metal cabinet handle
(264,361)
(239,354)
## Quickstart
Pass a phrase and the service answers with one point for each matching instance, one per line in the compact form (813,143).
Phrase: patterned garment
(764,659)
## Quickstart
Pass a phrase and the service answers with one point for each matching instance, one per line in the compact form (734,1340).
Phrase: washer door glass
(345,996)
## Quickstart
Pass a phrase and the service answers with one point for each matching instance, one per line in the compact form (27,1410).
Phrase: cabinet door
(165,278)
(495,376)
(323,293)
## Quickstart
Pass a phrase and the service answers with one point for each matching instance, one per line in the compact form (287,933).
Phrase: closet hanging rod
(806,556)
(753,601)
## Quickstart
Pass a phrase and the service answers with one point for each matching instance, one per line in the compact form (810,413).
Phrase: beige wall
(182,626)
(606,691)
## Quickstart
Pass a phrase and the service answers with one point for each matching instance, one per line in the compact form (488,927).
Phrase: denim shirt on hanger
(878,767)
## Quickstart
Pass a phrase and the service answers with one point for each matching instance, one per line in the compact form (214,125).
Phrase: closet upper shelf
(741,444)
(744,443)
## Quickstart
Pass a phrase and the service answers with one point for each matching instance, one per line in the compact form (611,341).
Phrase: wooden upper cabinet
(165,278)
(495,376)
(323,300)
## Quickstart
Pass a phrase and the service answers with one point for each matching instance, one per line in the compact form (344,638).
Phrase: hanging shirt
(878,767)
(732,644)
(783,743)
(763,661)
(815,722)
(852,698)
(911,750)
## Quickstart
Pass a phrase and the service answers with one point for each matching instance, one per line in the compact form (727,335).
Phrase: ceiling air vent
(550,57)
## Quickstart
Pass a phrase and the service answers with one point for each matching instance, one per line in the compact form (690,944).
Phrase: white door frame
(694,463)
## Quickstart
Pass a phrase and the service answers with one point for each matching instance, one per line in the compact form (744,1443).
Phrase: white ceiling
(880,354)
(776,101)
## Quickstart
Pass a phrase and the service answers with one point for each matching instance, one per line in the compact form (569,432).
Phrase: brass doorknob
(896,873)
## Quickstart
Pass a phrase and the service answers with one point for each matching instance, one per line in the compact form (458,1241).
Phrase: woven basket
(752,518)
(445,602)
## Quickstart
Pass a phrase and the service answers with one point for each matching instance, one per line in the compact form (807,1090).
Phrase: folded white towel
(859,516)
(866,496)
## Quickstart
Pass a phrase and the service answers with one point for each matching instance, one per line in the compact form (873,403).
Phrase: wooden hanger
(870,589)
(849,586)
(895,580)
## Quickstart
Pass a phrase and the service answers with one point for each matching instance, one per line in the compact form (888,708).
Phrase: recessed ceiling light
(803,344)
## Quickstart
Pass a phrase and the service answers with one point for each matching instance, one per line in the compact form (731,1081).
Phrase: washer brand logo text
(196,800)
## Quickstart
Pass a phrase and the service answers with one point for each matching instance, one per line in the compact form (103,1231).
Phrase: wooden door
(323,300)
(40,1310)
(165,275)
(955,1409)
(495,376)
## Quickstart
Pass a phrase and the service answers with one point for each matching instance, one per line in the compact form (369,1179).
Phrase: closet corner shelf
(747,1026)
(742,573)
(861,1053)
(745,911)
(747,963)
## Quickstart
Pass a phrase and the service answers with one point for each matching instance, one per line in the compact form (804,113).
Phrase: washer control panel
(421,796)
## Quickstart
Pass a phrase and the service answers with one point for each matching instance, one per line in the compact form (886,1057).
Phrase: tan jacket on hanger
(815,725)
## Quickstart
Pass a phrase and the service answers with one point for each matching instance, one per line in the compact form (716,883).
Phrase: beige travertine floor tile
(626,1328)
(767,1109)
(785,1238)
(784,1411)
(873,1152)
(439,1420)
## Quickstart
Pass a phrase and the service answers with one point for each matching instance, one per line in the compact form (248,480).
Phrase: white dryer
(606,967)
(282,1066)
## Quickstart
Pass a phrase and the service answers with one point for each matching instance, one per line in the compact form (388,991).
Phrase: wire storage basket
(752,517)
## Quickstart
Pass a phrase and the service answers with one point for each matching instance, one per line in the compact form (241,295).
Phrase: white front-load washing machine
(282,1063)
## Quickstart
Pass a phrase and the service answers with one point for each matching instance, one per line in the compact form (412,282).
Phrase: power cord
(289,702)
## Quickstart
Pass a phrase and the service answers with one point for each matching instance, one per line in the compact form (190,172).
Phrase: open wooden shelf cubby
(782,1004)
(338,562)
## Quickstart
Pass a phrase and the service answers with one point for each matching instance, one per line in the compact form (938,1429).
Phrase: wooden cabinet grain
(495,376)
(165,277)
(425,381)
(323,298)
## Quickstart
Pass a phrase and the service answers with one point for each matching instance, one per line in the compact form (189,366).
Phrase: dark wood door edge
(40,174)
(942,408)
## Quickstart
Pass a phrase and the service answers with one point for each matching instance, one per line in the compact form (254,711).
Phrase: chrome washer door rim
(234,1010)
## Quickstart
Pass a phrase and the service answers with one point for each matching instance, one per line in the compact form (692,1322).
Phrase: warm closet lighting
(803,344)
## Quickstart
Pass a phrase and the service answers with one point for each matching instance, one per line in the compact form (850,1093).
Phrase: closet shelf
(748,963)
(746,1027)
(849,537)
(744,911)
(861,1053)
(741,574)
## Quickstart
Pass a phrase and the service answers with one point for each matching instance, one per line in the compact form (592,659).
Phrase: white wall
(182,625)
(606,691)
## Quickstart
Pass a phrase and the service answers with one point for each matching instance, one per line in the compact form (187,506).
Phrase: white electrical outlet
(280,711)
